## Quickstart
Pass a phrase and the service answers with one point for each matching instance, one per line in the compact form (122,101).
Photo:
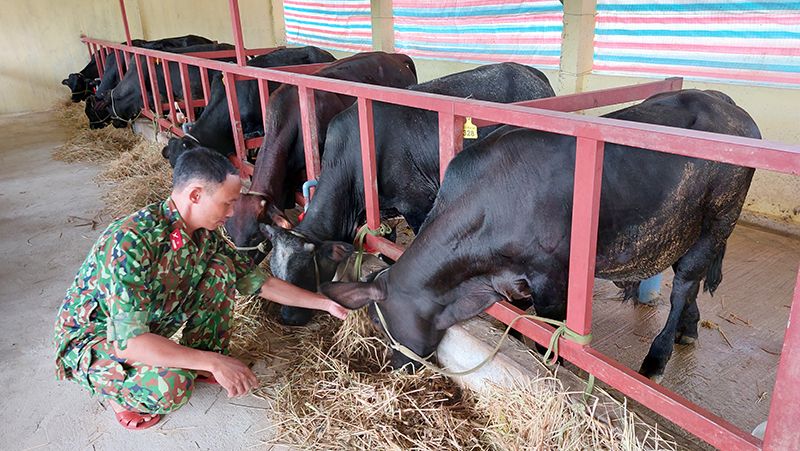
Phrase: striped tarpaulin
(344,25)
(739,41)
(525,31)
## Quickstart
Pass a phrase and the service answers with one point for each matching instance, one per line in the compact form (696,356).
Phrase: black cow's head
(407,323)
(419,303)
(301,262)
(177,146)
(79,85)
(98,117)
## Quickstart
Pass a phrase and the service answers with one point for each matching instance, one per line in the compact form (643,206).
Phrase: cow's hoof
(685,339)
(652,370)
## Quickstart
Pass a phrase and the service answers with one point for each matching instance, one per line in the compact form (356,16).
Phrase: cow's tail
(714,272)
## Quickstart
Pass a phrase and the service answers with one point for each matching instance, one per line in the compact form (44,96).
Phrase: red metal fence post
(236,22)
(229,80)
(142,86)
(119,55)
(97,59)
(205,83)
(368,163)
(170,95)
(450,139)
(125,21)
(151,69)
(583,240)
(187,92)
(783,432)
(308,117)
(263,92)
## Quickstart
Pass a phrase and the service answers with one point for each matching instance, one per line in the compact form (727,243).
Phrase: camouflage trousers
(151,389)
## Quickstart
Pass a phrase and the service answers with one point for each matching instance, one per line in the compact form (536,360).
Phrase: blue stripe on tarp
(738,64)
(744,34)
(347,26)
(488,29)
(321,37)
(470,11)
(324,12)
(467,48)
(722,7)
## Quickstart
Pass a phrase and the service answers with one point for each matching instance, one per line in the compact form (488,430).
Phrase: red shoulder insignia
(176,239)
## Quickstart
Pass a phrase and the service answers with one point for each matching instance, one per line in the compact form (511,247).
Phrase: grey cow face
(301,262)
(293,258)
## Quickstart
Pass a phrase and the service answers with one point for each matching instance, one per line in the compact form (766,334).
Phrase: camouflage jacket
(135,279)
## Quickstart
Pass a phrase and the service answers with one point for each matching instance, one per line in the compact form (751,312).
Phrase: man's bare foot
(133,420)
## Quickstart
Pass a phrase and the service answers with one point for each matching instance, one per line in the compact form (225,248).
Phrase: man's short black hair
(206,166)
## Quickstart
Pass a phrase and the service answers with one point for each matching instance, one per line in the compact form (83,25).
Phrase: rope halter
(358,243)
(561,330)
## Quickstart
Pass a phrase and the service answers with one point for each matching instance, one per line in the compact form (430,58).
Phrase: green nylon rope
(358,243)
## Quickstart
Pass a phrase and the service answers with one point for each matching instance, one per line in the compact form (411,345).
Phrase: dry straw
(331,383)
(82,144)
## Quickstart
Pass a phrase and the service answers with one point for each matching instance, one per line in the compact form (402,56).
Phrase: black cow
(124,103)
(213,128)
(280,166)
(500,227)
(407,155)
(82,83)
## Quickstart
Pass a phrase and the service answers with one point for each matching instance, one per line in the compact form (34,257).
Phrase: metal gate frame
(591,133)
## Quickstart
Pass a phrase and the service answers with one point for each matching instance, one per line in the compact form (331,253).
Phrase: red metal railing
(592,133)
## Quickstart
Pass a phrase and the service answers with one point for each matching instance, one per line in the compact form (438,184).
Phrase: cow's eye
(185,145)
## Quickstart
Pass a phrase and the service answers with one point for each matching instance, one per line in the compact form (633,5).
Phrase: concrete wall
(41,39)
(42,46)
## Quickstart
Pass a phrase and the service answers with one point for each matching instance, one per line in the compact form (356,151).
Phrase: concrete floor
(44,208)
(732,380)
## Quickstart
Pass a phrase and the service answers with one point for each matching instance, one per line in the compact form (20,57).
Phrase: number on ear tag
(470,130)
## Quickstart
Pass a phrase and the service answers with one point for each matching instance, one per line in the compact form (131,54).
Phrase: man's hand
(155,350)
(283,292)
(233,375)
(337,310)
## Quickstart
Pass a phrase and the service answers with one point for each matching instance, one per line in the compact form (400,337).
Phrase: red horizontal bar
(754,153)
(302,68)
(596,99)
(385,247)
(262,51)
(253,143)
(683,413)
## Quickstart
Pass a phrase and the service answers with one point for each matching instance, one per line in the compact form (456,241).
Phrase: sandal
(135,421)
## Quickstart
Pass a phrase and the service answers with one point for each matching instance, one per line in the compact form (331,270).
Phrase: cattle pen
(551,115)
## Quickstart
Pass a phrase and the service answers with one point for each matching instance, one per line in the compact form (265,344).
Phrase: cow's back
(653,205)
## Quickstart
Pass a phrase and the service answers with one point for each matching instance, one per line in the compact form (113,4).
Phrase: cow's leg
(689,272)
(686,333)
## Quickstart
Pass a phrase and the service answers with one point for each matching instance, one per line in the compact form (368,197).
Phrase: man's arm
(151,349)
(282,292)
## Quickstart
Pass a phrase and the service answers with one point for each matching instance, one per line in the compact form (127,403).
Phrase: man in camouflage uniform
(148,275)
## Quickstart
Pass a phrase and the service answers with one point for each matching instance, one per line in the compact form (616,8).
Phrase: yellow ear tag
(470,130)
(158,60)
(223,81)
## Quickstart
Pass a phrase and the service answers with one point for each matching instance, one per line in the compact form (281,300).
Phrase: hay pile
(330,382)
(336,391)
(82,144)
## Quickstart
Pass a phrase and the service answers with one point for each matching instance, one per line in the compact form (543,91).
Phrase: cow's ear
(277,216)
(466,307)
(336,251)
(354,295)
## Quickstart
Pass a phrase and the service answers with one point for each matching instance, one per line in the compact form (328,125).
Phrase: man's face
(215,208)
